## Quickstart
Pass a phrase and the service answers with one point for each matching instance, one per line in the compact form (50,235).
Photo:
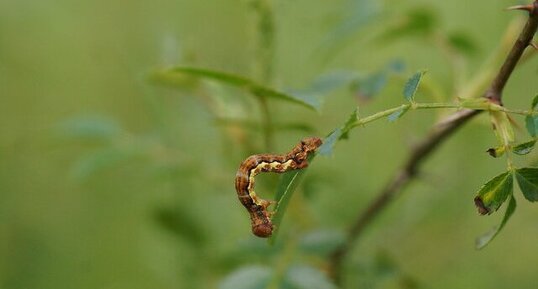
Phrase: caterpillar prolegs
(244,180)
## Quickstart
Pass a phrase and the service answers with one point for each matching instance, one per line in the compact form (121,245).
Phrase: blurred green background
(110,180)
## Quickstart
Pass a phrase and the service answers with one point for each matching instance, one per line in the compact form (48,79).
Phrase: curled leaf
(493,193)
(524,148)
(485,239)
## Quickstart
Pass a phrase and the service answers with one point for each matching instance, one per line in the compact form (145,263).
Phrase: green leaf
(411,86)
(250,277)
(534,105)
(527,178)
(399,113)
(485,239)
(531,122)
(524,148)
(372,85)
(321,242)
(417,22)
(286,186)
(96,161)
(93,127)
(241,82)
(462,43)
(305,277)
(329,142)
(493,193)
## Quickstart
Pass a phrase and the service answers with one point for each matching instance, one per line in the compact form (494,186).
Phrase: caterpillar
(253,165)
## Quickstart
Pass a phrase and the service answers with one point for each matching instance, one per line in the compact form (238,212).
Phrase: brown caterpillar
(244,180)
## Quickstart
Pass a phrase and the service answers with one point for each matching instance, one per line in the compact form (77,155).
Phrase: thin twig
(438,134)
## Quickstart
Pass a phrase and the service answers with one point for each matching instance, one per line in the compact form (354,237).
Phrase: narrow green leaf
(306,277)
(411,86)
(485,239)
(239,81)
(321,242)
(524,148)
(250,277)
(527,178)
(286,186)
(397,114)
(493,193)
(531,123)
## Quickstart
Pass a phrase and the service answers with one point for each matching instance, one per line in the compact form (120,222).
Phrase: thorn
(528,8)
(534,45)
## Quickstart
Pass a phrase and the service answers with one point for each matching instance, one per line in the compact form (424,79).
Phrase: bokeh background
(111,178)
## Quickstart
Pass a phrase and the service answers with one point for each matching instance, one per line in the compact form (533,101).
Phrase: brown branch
(438,134)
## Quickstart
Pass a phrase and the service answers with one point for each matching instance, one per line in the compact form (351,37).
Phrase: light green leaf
(241,82)
(493,193)
(399,113)
(286,186)
(305,277)
(485,239)
(524,148)
(321,242)
(527,178)
(411,86)
(250,277)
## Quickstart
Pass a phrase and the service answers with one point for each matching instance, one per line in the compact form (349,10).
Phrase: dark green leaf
(493,193)
(321,242)
(483,240)
(250,277)
(305,277)
(462,43)
(353,118)
(286,186)
(524,148)
(241,82)
(411,86)
(534,105)
(182,223)
(527,178)
(531,122)
(399,113)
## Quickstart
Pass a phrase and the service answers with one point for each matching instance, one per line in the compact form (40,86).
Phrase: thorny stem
(439,133)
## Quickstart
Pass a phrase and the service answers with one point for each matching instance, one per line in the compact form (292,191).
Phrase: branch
(438,134)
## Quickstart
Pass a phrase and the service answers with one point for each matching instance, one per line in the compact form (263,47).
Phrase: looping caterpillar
(244,180)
